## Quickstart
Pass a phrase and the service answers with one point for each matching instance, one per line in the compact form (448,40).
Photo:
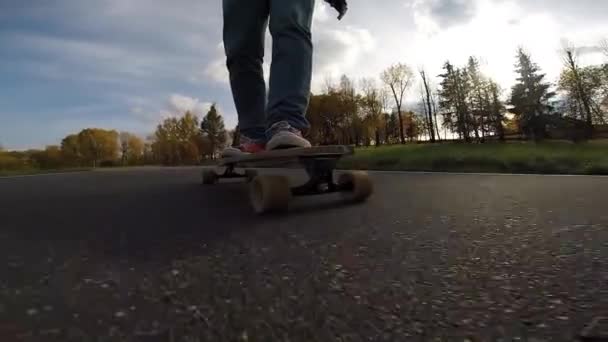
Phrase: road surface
(149,255)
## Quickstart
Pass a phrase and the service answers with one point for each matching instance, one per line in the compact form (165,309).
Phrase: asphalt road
(150,255)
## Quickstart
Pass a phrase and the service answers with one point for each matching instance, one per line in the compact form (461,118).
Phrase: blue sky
(126,64)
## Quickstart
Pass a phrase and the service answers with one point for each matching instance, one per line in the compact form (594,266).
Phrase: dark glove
(340,5)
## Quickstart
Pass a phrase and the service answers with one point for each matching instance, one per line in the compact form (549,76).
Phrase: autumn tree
(398,78)
(98,145)
(178,141)
(530,96)
(70,150)
(49,158)
(214,131)
(131,148)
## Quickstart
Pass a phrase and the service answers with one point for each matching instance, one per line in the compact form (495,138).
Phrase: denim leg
(291,70)
(245,24)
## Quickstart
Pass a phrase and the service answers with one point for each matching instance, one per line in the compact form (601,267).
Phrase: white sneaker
(283,136)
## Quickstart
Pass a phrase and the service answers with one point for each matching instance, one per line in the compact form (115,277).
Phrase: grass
(514,157)
(26,172)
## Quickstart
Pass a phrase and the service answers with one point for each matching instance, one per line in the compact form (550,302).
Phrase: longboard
(279,157)
(270,193)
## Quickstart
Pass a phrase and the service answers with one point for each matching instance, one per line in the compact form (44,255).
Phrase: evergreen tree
(530,97)
(453,95)
(214,131)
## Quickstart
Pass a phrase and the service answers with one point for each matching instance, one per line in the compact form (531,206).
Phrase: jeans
(245,23)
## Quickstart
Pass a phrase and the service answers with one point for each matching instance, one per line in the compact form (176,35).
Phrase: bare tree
(434,97)
(582,95)
(373,106)
(398,78)
(429,108)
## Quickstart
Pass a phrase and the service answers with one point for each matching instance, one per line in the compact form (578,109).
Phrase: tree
(214,131)
(572,81)
(585,89)
(530,96)
(179,141)
(124,146)
(412,125)
(604,46)
(497,108)
(477,104)
(453,95)
(131,148)
(70,150)
(372,106)
(428,108)
(398,78)
(348,102)
(97,145)
(392,128)
(384,97)
(49,158)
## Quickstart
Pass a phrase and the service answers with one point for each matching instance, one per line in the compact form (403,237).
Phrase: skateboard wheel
(250,175)
(355,186)
(210,177)
(269,193)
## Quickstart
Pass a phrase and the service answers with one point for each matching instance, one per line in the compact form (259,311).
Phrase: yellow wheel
(355,186)
(210,177)
(269,194)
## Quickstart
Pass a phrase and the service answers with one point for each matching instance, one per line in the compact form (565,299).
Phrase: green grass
(513,157)
(26,172)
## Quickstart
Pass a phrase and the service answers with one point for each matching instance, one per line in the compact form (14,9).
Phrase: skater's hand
(340,5)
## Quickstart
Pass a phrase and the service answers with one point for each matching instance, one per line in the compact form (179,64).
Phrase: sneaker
(246,146)
(282,136)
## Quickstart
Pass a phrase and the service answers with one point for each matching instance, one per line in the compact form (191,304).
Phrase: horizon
(127,65)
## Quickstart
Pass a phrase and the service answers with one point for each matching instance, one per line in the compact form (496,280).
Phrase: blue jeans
(245,23)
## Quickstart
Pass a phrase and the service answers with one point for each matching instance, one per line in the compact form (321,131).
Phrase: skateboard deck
(269,193)
(280,157)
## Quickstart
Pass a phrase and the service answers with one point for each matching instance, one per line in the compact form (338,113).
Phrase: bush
(10,163)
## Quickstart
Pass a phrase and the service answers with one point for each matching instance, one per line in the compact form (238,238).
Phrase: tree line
(462,104)
(465,104)
(176,141)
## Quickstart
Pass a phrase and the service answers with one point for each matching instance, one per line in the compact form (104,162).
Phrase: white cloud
(150,113)
(179,104)
(342,51)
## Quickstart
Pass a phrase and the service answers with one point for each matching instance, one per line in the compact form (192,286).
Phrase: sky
(127,64)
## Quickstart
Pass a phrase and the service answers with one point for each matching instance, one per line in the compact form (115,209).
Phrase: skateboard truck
(320,177)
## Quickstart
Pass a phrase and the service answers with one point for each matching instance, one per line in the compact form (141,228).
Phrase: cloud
(339,51)
(150,113)
(442,14)
(179,104)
